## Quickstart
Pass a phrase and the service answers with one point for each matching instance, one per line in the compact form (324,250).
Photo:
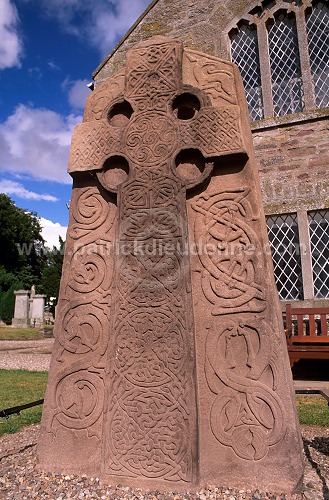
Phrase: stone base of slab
(20,323)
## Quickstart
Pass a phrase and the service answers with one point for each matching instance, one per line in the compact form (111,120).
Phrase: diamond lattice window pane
(319,235)
(317,25)
(244,50)
(287,88)
(284,242)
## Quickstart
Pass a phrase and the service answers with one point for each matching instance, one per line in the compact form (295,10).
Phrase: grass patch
(9,333)
(19,387)
(313,410)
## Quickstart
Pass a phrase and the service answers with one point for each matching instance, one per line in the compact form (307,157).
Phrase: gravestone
(170,368)
(38,310)
(21,312)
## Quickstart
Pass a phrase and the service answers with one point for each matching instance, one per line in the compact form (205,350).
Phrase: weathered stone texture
(170,368)
(293,163)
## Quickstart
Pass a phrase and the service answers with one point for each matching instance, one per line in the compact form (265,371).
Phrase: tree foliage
(52,272)
(7,303)
(22,254)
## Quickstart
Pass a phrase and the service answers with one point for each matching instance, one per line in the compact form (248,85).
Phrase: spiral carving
(89,212)
(79,400)
(151,137)
(88,273)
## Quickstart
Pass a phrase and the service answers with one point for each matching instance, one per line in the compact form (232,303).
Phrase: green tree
(52,273)
(22,254)
(7,303)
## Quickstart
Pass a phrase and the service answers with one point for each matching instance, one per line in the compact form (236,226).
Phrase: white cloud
(51,232)
(36,142)
(53,66)
(110,23)
(102,23)
(12,187)
(77,92)
(11,43)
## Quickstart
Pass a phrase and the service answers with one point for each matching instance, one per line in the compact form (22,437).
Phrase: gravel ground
(26,354)
(19,478)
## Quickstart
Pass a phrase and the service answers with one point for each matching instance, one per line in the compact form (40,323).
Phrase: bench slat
(324,325)
(308,339)
(307,310)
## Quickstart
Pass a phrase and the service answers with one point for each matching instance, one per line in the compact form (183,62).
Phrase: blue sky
(48,51)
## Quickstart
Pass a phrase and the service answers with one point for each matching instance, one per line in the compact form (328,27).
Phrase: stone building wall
(293,166)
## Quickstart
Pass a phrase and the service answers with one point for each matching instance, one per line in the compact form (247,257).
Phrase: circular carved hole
(190,164)
(115,172)
(186,106)
(120,114)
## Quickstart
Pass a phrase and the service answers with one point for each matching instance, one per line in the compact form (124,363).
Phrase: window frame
(259,17)
(287,262)
(306,258)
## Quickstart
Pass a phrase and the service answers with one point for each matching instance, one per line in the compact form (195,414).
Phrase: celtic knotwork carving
(150,358)
(99,100)
(151,363)
(154,76)
(151,353)
(247,415)
(127,363)
(229,253)
(92,142)
(151,275)
(150,138)
(141,436)
(149,190)
(151,222)
(216,130)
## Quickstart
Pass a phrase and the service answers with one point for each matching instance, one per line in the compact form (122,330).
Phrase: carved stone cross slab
(170,367)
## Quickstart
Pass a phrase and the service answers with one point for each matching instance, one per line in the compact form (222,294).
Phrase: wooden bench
(307,333)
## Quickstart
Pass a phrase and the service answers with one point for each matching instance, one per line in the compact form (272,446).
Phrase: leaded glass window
(317,25)
(284,243)
(244,51)
(282,53)
(287,89)
(319,237)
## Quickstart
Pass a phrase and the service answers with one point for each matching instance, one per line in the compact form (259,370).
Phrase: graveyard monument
(170,369)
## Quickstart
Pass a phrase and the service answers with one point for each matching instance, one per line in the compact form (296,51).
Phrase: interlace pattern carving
(215,130)
(152,75)
(150,380)
(231,279)
(247,415)
(241,351)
